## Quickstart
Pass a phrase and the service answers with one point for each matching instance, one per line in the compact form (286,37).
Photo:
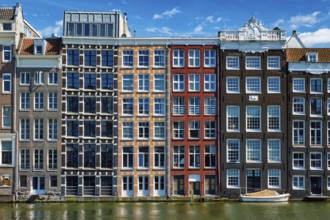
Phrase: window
(159,157)
(89,155)
(233,178)
(39,101)
(209,83)
(128,85)
(273,85)
(159,58)
(253,151)
(73,81)
(253,118)
(7,27)
(316,133)
(128,130)
(90,104)
(52,101)
(209,58)
(127,157)
(53,181)
(253,85)
(52,78)
(72,128)
(194,129)
(6,116)
(107,58)
(210,106)
(298,128)
(328,133)
(38,78)
(178,58)
(143,83)
(159,106)
(127,185)
(298,182)
(274,151)
(298,160)
(90,57)
(143,157)
(252,63)
(143,185)
(194,82)
(128,106)
(316,106)
(52,129)
(72,155)
(233,118)
(178,82)
(159,130)
(23,181)
(274,118)
(106,156)
(72,104)
(143,58)
(194,106)
(194,58)
(316,85)
(178,185)
(52,159)
(6,83)
(25,129)
(312,57)
(328,161)
(107,81)
(232,85)
(178,106)
(25,78)
(233,150)
(6,54)
(274,178)
(328,106)
(25,159)
(316,160)
(107,105)
(107,128)
(298,85)
(159,83)
(194,157)
(178,130)
(38,159)
(159,183)
(232,62)
(89,128)
(38,129)
(298,106)
(143,130)
(178,156)
(25,101)
(210,156)
(143,106)
(73,57)
(90,81)
(210,130)
(127,58)
(328,85)
(273,63)
(6,153)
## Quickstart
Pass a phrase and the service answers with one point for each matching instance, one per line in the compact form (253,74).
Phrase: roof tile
(7,13)
(53,46)
(299,54)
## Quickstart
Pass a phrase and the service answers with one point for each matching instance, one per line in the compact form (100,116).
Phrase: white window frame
(232,62)
(253,63)
(52,101)
(40,104)
(328,86)
(144,83)
(160,78)
(273,63)
(25,129)
(52,129)
(38,128)
(194,83)
(321,86)
(4,117)
(274,150)
(232,85)
(4,51)
(130,78)
(160,54)
(127,54)
(315,134)
(297,104)
(317,100)
(312,57)
(178,128)
(271,174)
(52,78)
(143,58)
(233,117)
(328,133)
(298,160)
(194,106)
(209,58)
(194,126)
(158,156)
(128,130)
(143,126)
(328,106)
(178,107)
(253,149)
(328,161)
(233,176)
(159,106)
(178,58)
(210,82)
(6,78)
(210,129)
(317,166)
(143,158)
(24,79)
(143,106)
(253,85)
(125,103)
(159,130)
(250,116)
(210,106)
(298,182)
(195,153)
(194,57)
(298,85)
(25,101)
(273,85)
(233,150)
(178,82)
(39,78)
(273,115)
(300,137)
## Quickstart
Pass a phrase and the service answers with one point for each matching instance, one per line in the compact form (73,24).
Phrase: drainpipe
(219,118)
(168,123)
(16,133)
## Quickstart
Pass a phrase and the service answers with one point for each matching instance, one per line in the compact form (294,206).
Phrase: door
(144,186)
(38,185)
(253,180)
(195,187)
(316,185)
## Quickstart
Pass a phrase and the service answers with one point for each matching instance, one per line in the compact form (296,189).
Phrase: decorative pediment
(252,29)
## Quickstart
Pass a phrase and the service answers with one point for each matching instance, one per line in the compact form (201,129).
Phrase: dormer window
(312,57)
(38,49)
(7,26)
(40,46)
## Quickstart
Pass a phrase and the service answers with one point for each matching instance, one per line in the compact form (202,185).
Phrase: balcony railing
(243,35)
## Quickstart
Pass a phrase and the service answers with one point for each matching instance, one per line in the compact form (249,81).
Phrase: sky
(191,18)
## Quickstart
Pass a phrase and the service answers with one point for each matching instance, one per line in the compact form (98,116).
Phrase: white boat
(265,196)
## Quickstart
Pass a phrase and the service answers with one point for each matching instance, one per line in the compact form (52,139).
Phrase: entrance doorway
(38,185)
(316,185)
(195,184)
(253,180)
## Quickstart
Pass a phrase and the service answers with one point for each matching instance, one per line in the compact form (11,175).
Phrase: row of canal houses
(103,114)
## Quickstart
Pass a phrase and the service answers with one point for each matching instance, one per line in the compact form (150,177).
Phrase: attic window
(312,57)
(7,26)
(38,49)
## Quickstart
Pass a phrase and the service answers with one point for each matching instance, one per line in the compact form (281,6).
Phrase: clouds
(304,20)
(317,38)
(167,14)
(203,22)
(53,29)
(162,31)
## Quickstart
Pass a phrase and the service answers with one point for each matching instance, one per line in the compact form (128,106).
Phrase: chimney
(294,32)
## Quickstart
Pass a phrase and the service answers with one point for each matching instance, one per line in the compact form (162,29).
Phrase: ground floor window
(127,186)
(106,185)
(233,178)
(53,181)
(274,178)
(178,185)
(159,183)
(210,183)
(89,185)
(71,185)
(298,182)
(23,181)
(5,180)
(143,185)
(328,182)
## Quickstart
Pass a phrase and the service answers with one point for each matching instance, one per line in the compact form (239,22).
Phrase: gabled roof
(53,46)
(299,54)
(294,41)
(7,13)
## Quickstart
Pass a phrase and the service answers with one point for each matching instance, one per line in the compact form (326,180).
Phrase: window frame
(6,83)
(231,62)
(271,85)
(194,57)
(6,53)
(210,83)
(271,65)
(209,58)
(178,58)
(159,58)
(253,63)
(232,85)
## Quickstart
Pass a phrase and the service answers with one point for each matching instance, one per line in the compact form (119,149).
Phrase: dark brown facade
(194,123)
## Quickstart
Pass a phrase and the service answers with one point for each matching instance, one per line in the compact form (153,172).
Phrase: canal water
(166,210)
